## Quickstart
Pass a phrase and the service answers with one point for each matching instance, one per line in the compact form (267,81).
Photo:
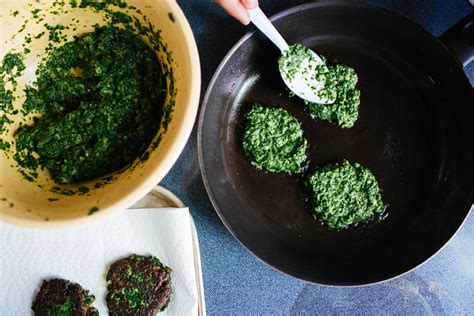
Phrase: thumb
(250,4)
(236,9)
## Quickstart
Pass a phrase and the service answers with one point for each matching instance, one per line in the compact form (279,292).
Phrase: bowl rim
(183,132)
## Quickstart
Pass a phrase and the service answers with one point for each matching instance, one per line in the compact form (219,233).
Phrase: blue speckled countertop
(236,282)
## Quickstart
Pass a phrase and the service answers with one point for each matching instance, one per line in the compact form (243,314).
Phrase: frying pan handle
(460,39)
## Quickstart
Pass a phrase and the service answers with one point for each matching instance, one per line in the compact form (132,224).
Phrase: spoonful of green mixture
(302,70)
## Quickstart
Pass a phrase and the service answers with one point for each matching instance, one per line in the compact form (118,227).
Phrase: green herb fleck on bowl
(93,210)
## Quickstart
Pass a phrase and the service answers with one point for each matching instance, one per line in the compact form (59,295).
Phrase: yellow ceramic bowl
(25,203)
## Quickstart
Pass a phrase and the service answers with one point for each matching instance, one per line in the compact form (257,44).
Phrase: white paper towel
(83,255)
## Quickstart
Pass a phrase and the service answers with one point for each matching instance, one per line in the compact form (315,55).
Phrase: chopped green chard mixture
(101,101)
(344,194)
(345,110)
(298,60)
(273,140)
(11,67)
(339,85)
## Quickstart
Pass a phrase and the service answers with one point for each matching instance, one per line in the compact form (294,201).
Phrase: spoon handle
(266,27)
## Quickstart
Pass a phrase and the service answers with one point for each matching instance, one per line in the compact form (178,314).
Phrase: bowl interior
(26,203)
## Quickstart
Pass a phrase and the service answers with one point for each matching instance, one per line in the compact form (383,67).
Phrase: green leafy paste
(100,100)
(345,110)
(340,84)
(300,60)
(273,140)
(344,194)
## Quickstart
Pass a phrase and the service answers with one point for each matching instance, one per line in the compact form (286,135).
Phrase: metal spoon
(304,82)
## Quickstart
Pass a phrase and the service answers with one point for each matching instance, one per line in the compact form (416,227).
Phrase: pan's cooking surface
(395,121)
(403,135)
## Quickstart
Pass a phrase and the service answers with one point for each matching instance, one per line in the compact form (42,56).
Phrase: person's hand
(238,8)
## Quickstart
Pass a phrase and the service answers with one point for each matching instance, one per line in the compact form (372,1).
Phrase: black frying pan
(414,132)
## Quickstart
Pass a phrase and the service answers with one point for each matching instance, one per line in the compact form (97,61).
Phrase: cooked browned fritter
(138,285)
(59,297)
